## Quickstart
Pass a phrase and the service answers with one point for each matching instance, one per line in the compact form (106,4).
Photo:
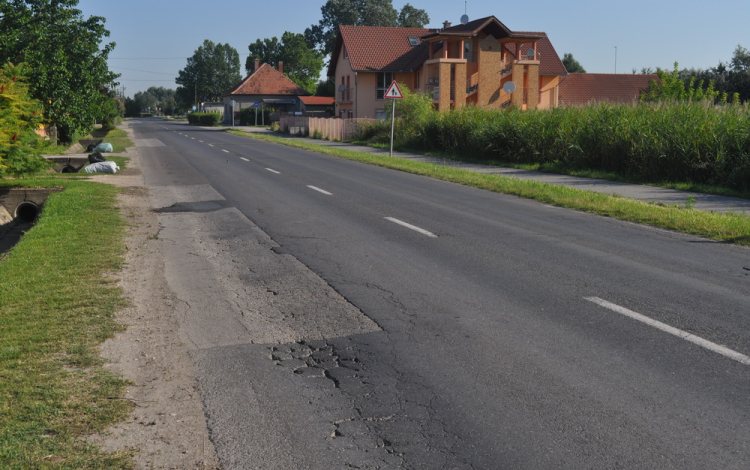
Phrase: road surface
(341,315)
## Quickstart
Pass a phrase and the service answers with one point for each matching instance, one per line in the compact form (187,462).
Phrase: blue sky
(154,38)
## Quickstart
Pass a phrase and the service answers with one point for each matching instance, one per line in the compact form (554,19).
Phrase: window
(384,80)
(413,41)
(346,54)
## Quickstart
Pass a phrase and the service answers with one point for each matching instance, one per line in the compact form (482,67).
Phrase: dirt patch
(167,428)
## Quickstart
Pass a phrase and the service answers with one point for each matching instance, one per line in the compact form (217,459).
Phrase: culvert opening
(27,212)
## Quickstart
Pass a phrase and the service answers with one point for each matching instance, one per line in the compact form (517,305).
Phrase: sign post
(232,103)
(394,93)
(255,105)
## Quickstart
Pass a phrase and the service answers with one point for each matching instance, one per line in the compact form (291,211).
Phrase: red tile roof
(381,49)
(584,88)
(267,81)
(549,61)
(387,49)
(317,100)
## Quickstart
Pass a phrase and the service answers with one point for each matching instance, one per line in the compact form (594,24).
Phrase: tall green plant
(20,117)
(671,87)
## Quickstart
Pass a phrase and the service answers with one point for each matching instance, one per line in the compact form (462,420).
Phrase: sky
(154,38)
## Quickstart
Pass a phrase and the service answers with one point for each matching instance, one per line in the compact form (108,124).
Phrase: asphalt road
(348,316)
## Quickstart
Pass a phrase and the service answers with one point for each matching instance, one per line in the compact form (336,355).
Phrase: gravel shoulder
(168,427)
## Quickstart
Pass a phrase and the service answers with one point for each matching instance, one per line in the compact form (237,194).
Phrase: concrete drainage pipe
(27,212)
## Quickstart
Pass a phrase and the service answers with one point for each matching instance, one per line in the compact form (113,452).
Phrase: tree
(212,70)
(20,116)
(358,13)
(411,17)
(302,64)
(157,99)
(67,69)
(671,87)
(572,65)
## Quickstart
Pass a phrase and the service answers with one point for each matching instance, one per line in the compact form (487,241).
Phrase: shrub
(20,117)
(204,119)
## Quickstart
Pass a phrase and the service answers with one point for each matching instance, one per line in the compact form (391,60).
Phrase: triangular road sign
(393,91)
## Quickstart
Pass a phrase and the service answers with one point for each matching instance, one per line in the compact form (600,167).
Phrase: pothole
(19,210)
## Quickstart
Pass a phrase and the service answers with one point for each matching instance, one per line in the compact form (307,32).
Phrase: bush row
(681,142)
(204,119)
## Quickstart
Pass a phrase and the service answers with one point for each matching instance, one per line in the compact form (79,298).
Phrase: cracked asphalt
(326,336)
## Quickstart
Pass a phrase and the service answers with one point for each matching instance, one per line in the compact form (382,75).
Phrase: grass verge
(725,227)
(57,304)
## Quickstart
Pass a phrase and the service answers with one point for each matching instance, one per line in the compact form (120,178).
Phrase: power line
(145,71)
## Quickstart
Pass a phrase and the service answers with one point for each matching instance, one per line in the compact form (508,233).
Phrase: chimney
(446,24)
(281,66)
(257,64)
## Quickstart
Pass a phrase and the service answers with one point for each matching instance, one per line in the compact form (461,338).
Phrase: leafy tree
(67,69)
(671,88)
(302,64)
(20,116)
(731,78)
(411,17)
(572,65)
(326,88)
(158,99)
(359,13)
(212,70)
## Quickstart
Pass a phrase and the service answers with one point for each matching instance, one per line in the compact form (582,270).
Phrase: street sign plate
(393,92)
(256,104)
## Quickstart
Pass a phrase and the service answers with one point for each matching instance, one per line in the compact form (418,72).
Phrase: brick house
(267,87)
(457,65)
(586,88)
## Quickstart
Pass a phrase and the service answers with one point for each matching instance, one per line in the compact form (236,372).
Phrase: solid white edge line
(412,227)
(320,190)
(741,358)
(243,158)
(273,171)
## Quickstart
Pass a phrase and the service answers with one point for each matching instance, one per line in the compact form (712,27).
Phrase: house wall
(548,86)
(345,75)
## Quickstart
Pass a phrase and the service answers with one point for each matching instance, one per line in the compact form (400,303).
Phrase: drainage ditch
(19,210)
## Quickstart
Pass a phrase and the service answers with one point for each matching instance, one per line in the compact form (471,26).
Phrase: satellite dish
(509,87)
(464,19)
(342,87)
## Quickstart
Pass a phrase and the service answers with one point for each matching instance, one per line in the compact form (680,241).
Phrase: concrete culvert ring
(27,212)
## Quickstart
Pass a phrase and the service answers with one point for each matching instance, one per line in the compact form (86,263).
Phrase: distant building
(267,87)
(459,65)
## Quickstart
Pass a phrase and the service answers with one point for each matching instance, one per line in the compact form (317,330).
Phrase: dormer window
(413,41)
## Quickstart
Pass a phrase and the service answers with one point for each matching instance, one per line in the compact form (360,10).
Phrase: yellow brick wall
(490,56)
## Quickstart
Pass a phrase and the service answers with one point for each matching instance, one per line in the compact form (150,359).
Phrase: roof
(549,61)
(266,80)
(387,49)
(381,48)
(584,88)
(489,25)
(318,100)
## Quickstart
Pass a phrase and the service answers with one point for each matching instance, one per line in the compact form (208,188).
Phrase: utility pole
(615,59)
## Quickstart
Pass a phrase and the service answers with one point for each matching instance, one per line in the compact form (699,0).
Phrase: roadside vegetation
(730,228)
(57,304)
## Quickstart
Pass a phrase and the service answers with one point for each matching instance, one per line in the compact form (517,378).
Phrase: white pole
(393,119)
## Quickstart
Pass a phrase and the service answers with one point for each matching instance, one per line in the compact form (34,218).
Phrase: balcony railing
(345,95)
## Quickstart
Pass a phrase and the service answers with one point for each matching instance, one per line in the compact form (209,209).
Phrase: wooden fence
(326,128)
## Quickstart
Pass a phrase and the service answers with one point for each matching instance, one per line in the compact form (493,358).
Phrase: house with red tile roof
(587,88)
(471,63)
(318,105)
(266,86)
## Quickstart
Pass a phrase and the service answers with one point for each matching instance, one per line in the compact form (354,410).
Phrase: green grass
(57,304)
(730,228)
(119,140)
